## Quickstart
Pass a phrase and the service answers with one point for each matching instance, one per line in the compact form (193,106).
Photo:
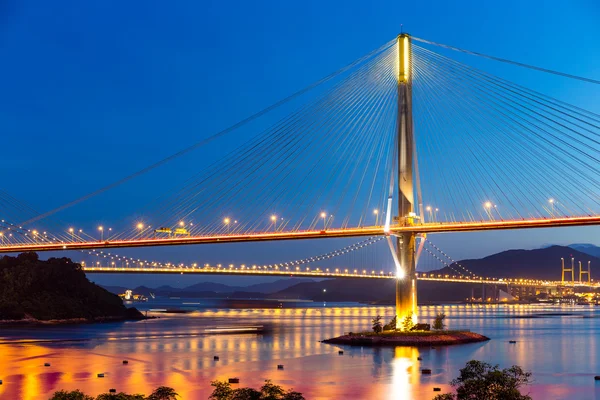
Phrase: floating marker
(112,390)
(125,362)
(419,359)
(437,389)
(100,375)
(596,378)
(340,352)
(46,364)
(0,381)
(426,371)
(216,358)
(512,341)
(280,366)
(234,380)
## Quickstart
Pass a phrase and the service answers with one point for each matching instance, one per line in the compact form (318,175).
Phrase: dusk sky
(92,92)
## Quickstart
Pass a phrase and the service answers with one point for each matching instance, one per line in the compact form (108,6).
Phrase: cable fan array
(491,149)
(488,149)
(327,164)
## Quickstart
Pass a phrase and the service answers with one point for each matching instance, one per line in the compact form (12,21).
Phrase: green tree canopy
(483,381)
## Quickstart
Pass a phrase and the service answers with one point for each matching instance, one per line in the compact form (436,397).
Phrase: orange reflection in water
(173,351)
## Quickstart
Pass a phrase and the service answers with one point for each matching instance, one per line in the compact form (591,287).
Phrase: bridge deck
(313,234)
(323,274)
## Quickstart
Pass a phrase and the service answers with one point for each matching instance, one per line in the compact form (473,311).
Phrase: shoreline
(68,321)
(416,339)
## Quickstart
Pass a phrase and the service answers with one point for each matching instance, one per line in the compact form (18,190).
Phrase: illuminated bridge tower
(406,282)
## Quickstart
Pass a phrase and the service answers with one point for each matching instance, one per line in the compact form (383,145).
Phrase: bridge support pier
(406,281)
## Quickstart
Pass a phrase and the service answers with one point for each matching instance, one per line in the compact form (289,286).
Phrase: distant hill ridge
(212,289)
(544,263)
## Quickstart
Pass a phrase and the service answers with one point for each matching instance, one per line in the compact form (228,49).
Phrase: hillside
(586,248)
(542,263)
(56,289)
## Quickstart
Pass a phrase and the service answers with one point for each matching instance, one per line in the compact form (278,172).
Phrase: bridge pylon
(584,272)
(571,270)
(406,280)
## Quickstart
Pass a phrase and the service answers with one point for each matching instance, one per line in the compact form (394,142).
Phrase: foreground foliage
(53,289)
(160,393)
(483,381)
(268,391)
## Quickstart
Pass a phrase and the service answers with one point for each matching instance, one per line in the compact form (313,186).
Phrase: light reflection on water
(560,350)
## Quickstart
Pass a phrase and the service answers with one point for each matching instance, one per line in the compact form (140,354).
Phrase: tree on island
(376,324)
(268,391)
(438,322)
(483,381)
(390,326)
(407,322)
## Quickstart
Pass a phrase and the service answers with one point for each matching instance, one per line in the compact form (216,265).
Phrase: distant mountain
(587,248)
(211,286)
(114,289)
(211,289)
(374,291)
(276,286)
(542,263)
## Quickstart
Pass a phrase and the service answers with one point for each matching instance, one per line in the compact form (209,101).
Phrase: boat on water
(129,296)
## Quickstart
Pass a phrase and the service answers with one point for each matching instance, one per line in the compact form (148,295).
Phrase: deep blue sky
(93,91)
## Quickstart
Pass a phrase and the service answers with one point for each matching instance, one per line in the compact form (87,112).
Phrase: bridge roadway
(275,271)
(436,227)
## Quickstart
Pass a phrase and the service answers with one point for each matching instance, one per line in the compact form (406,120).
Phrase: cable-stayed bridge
(400,143)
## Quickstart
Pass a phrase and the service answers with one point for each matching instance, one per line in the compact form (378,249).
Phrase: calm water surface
(561,351)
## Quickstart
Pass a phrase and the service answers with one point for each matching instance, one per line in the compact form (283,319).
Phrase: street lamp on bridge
(274,220)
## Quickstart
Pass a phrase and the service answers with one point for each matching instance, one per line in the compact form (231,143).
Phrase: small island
(54,291)
(410,335)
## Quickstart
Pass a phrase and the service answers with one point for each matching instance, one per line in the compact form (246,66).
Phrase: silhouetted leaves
(268,391)
(483,381)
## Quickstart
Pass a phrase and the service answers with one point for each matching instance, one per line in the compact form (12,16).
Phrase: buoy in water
(216,358)
(596,378)
(125,362)
(280,366)
(112,390)
(512,341)
(419,359)
(437,389)
(234,380)
(100,375)
(426,371)
(46,364)
(340,352)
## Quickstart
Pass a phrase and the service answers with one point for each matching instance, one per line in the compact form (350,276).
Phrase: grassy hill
(56,289)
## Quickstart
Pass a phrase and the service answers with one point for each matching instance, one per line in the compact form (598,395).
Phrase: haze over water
(560,350)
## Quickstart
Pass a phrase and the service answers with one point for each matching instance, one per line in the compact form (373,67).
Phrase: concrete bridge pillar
(406,282)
